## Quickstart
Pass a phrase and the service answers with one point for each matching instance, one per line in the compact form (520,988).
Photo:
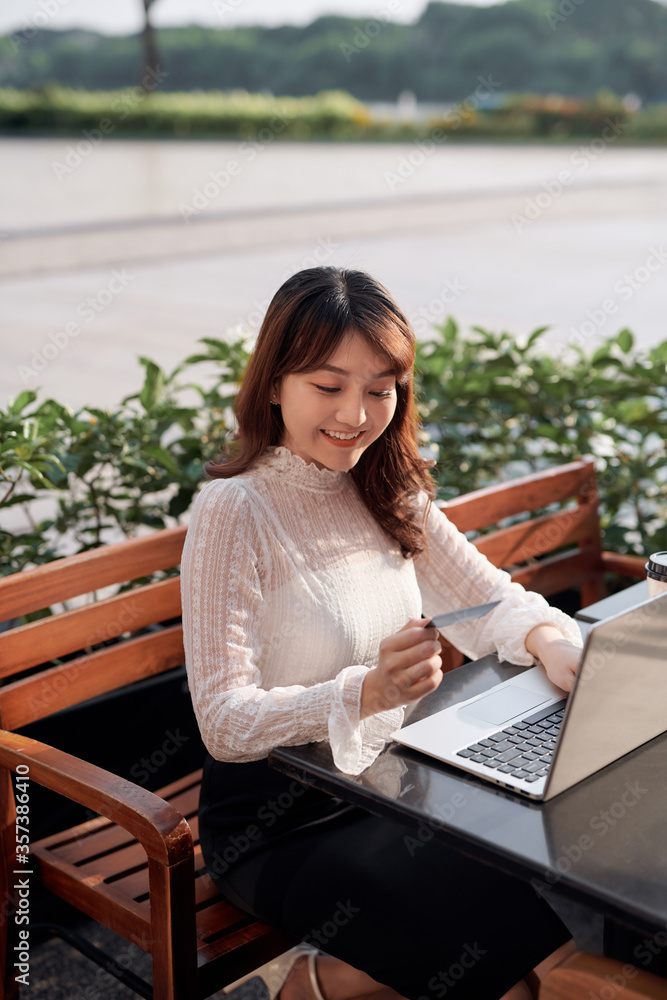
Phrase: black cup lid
(656,567)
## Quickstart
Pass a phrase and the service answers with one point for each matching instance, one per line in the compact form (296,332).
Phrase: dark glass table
(602,843)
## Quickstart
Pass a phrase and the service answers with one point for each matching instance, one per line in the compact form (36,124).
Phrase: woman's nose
(351,410)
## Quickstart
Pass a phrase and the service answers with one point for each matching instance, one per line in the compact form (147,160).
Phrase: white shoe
(276,979)
(275,973)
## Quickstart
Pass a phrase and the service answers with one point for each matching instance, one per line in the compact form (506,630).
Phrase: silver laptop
(525,734)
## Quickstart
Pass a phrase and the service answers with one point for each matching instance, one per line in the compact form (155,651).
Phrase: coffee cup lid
(656,567)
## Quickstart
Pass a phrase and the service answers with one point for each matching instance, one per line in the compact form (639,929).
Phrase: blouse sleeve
(222,605)
(453,573)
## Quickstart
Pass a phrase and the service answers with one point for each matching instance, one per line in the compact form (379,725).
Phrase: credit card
(462,615)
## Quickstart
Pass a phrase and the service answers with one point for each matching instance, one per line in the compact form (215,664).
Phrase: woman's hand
(408,668)
(558,655)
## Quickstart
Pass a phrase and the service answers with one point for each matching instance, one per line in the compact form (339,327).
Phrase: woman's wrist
(540,637)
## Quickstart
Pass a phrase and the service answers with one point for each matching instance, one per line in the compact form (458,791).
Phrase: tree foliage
(541,46)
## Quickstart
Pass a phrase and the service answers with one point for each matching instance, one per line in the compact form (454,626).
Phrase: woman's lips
(341,442)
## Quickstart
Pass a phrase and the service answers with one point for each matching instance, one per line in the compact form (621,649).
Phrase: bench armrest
(634,566)
(160,829)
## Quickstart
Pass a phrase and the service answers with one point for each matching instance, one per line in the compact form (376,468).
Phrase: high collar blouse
(288,586)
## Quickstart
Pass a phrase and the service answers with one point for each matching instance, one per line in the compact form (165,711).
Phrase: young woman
(310,556)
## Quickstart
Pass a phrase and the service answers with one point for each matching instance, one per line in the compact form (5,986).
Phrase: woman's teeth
(341,437)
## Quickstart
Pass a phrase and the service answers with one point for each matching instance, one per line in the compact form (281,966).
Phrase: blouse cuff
(511,635)
(355,742)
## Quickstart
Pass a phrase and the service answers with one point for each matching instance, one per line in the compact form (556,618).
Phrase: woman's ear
(275,393)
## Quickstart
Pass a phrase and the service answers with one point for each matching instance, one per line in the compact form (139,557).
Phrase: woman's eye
(386,392)
(327,388)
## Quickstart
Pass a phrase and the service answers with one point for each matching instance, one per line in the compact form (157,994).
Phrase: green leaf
(153,387)
(164,457)
(22,400)
(535,335)
(625,340)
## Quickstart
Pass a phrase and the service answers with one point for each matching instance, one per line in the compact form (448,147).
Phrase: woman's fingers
(409,636)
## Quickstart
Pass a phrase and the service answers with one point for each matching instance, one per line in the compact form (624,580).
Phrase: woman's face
(333,414)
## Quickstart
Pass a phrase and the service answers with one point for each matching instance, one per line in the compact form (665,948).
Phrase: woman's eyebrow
(341,371)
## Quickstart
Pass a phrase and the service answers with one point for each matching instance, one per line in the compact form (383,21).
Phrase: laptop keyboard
(524,749)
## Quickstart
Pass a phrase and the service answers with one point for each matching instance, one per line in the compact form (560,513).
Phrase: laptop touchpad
(502,705)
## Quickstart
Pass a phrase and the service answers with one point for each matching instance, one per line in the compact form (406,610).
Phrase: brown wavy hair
(309,316)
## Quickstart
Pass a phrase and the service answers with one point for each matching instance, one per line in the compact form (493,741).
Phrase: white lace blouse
(288,586)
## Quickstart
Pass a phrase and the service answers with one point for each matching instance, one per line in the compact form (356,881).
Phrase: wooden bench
(582,976)
(138,868)
(549,552)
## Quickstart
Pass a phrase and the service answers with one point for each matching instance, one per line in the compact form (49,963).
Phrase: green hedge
(492,408)
(61,110)
(329,115)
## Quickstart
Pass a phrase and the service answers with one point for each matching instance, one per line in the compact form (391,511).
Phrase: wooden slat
(111,866)
(220,916)
(35,697)
(34,589)
(205,888)
(519,542)
(250,951)
(626,565)
(182,795)
(56,636)
(77,846)
(492,504)
(99,901)
(557,573)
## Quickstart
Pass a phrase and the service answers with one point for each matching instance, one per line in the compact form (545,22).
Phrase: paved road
(100,266)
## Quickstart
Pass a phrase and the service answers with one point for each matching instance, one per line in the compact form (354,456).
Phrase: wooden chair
(136,868)
(583,976)
(548,553)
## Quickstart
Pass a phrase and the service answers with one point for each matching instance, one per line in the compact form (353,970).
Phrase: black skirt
(419,917)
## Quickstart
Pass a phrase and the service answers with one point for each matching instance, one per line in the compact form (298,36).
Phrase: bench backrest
(92,665)
(570,534)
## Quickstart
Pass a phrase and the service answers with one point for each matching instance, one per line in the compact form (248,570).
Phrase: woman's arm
(455,574)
